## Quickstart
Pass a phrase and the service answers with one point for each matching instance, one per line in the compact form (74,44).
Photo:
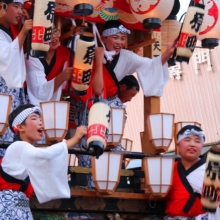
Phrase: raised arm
(97,78)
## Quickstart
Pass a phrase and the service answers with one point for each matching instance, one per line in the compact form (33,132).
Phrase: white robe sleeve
(152,75)
(12,65)
(47,169)
(39,89)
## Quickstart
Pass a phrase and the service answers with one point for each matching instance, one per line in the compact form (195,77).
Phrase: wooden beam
(151,106)
(141,44)
(119,195)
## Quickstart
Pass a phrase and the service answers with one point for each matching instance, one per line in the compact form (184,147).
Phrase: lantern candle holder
(55,116)
(158,174)
(116,127)
(106,171)
(161,129)
(6,104)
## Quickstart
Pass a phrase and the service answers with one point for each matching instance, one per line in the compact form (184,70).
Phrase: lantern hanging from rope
(42,26)
(98,127)
(190,29)
(83,62)
(83,7)
(210,194)
(210,31)
(151,12)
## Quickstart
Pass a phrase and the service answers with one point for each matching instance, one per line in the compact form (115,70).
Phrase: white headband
(19,1)
(114,30)
(23,115)
(188,133)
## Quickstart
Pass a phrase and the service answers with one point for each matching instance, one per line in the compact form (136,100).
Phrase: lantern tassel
(30,32)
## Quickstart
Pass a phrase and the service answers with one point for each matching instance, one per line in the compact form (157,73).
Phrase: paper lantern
(126,144)
(158,174)
(83,62)
(55,117)
(6,104)
(82,7)
(170,30)
(151,12)
(98,127)
(210,31)
(116,127)
(190,30)
(106,171)
(210,194)
(161,128)
(42,27)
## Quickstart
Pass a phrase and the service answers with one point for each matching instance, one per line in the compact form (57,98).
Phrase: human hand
(147,190)
(172,46)
(28,24)
(25,13)
(99,55)
(80,132)
(67,73)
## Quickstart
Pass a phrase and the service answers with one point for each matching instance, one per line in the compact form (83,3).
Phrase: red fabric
(177,198)
(62,56)
(4,185)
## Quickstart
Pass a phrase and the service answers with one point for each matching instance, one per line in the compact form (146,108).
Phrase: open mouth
(40,131)
(54,42)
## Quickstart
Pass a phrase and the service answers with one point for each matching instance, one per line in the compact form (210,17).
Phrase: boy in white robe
(12,65)
(45,167)
(183,201)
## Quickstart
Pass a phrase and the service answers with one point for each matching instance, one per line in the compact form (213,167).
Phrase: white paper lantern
(55,116)
(210,31)
(6,103)
(106,171)
(189,32)
(42,26)
(116,127)
(158,174)
(161,128)
(151,9)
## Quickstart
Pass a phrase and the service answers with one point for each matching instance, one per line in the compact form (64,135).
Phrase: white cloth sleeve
(47,169)
(12,65)
(152,75)
(39,89)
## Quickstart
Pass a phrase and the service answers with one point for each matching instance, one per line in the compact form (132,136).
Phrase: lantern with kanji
(151,12)
(83,62)
(210,194)
(83,7)
(210,31)
(190,29)
(98,127)
(6,103)
(42,26)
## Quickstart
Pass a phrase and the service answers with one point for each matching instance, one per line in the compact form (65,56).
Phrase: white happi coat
(195,179)
(39,89)
(46,168)
(152,75)
(12,65)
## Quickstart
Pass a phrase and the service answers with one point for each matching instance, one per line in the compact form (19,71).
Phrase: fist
(28,24)
(81,131)
(99,54)
(67,73)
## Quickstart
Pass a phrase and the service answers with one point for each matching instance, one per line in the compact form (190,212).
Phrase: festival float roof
(106,10)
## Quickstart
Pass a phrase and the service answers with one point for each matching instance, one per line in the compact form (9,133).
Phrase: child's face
(190,148)
(115,42)
(14,13)
(32,130)
(55,39)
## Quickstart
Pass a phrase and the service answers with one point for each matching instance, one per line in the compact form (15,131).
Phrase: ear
(3,8)
(123,87)
(20,127)
(178,148)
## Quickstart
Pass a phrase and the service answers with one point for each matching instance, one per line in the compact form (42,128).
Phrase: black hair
(16,112)
(130,81)
(111,24)
(183,129)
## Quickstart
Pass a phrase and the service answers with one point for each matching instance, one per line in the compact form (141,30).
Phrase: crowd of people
(25,168)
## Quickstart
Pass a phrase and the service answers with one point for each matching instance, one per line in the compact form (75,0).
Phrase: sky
(183,7)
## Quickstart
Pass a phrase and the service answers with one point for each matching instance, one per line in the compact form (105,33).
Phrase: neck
(4,23)
(24,138)
(49,56)
(187,164)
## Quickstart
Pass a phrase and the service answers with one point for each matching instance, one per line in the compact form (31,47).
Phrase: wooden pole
(151,106)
